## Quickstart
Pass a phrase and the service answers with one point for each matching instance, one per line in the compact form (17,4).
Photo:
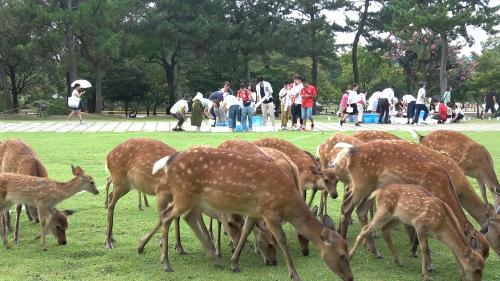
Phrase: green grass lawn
(85,257)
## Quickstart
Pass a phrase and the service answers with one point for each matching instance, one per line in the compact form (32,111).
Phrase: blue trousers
(246,114)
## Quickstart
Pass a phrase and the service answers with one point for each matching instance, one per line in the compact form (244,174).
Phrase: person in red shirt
(245,97)
(441,111)
(308,93)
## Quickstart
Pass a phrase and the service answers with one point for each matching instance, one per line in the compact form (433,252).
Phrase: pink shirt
(343,101)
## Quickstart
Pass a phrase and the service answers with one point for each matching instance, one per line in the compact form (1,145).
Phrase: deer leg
(166,216)
(210,229)
(314,190)
(276,229)
(118,192)
(195,220)
(178,244)
(139,197)
(217,246)
(33,212)
(42,215)
(386,232)
(362,212)
(3,232)
(19,208)
(162,204)
(146,203)
(247,228)
(347,208)
(108,183)
(380,219)
(424,248)
(482,188)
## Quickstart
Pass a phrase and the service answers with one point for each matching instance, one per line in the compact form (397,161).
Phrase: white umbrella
(83,83)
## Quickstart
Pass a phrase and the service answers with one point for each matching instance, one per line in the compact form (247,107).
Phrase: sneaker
(340,122)
(312,126)
(302,128)
(175,129)
(357,124)
(181,129)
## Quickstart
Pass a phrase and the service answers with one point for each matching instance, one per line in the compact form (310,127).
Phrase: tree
(360,28)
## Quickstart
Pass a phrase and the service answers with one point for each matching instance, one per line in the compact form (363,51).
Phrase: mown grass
(85,257)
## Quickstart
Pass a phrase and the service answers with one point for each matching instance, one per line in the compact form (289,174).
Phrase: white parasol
(83,83)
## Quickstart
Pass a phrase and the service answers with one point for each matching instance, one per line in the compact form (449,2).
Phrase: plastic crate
(256,120)
(221,124)
(238,128)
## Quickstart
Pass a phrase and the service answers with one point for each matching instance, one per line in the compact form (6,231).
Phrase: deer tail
(163,163)
(40,169)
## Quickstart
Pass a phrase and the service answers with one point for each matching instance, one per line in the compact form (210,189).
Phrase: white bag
(73,102)
(349,109)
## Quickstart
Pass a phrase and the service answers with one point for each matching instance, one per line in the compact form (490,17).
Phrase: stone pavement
(165,126)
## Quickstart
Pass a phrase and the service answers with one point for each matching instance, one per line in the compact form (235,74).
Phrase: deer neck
(70,188)
(306,223)
(473,204)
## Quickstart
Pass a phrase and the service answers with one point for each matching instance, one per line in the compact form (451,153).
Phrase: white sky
(479,35)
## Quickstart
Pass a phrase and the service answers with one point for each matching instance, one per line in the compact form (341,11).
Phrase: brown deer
(378,163)
(468,198)
(472,157)
(264,192)
(129,165)
(18,157)
(139,195)
(44,194)
(415,206)
(371,135)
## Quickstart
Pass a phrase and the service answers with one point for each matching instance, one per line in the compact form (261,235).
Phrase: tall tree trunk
(154,108)
(13,88)
(247,70)
(354,55)
(409,79)
(5,86)
(98,90)
(169,72)
(443,74)
(70,42)
(178,71)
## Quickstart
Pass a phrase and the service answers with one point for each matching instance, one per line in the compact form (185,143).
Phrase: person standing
(226,88)
(179,110)
(447,96)
(384,102)
(245,97)
(296,100)
(490,101)
(78,109)
(420,103)
(265,92)
(352,107)
(343,107)
(308,93)
(232,105)
(197,111)
(361,103)
(285,105)
(409,103)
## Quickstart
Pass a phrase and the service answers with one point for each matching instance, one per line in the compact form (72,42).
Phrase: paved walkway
(165,126)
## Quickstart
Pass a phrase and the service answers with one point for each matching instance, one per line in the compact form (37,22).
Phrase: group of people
(225,107)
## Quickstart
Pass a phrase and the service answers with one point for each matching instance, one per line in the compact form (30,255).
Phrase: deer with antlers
(472,157)
(415,206)
(44,194)
(378,163)
(129,165)
(263,191)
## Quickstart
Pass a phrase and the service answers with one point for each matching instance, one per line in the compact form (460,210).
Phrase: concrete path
(165,126)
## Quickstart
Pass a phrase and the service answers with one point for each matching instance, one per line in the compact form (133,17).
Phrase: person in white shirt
(409,103)
(265,92)
(232,106)
(457,115)
(385,101)
(296,100)
(361,103)
(373,102)
(76,94)
(352,102)
(179,110)
(285,105)
(420,103)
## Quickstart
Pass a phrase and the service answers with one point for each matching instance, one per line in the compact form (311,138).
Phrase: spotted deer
(18,157)
(44,194)
(415,206)
(378,163)
(129,165)
(305,161)
(264,193)
(326,152)
(472,157)
(371,135)
(485,216)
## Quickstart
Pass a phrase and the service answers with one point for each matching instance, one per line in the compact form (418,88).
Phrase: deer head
(265,243)
(473,265)
(334,252)
(88,183)
(491,230)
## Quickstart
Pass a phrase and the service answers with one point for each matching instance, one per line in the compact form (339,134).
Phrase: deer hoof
(168,268)
(109,245)
(180,250)
(399,263)
(235,268)
(304,252)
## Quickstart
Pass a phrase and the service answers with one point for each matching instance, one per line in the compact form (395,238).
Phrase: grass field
(85,257)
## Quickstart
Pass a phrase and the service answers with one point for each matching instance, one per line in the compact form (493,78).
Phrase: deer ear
(68,212)
(328,222)
(315,211)
(315,170)
(77,171)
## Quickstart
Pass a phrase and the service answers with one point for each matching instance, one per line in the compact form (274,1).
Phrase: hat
(198,96)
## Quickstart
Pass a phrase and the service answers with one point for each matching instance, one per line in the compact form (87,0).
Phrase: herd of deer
(258,186)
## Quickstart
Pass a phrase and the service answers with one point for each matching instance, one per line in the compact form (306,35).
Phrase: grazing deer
(18,157)
(415,206)
(129,165)
(264,192)
(305,161)
(486,217)
(378,163)
(44,194)
(368,136)
(472,157)
(326,152)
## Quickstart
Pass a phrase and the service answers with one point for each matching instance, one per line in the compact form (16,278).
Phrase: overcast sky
(338,17)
